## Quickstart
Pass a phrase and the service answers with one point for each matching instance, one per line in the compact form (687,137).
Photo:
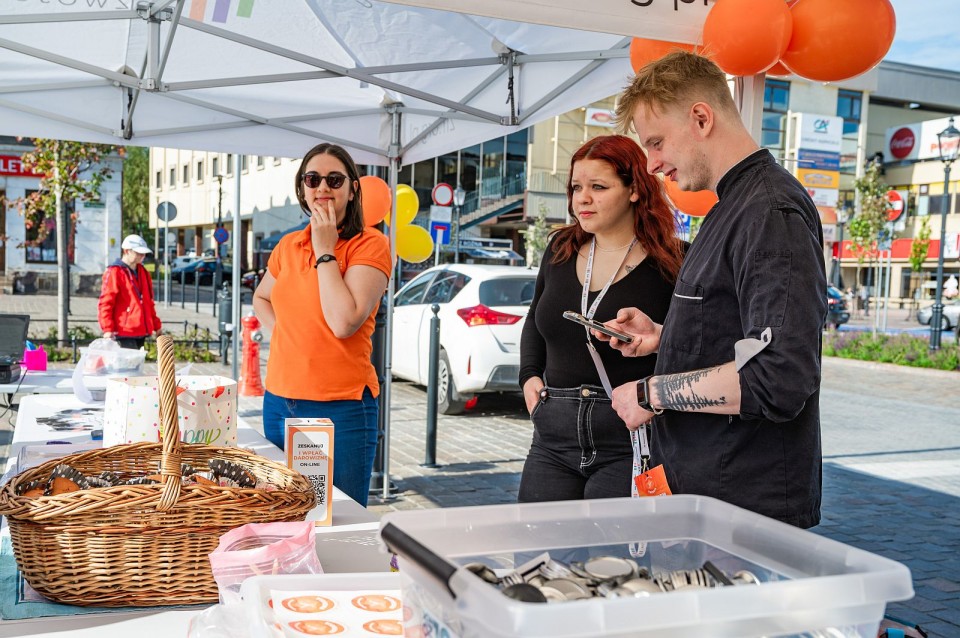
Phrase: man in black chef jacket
(738,371)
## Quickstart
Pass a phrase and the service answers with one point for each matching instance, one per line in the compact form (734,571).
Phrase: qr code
(319,482)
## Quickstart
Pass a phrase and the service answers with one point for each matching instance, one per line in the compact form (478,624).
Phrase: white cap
(135,243)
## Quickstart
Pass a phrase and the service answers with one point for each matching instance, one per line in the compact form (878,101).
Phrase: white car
(482,310)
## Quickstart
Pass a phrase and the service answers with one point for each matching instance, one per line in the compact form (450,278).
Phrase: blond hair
(678,78)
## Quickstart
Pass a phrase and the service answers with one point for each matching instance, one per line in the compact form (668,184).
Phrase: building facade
(93,243)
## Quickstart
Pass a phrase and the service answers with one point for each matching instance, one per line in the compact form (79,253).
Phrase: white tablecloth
(349,545)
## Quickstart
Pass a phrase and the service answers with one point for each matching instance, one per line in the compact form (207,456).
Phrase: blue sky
(928,33)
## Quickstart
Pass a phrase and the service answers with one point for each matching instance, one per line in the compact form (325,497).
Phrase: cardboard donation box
(309,446)
(206,405)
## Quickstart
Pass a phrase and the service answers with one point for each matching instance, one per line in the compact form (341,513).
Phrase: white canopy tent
(391,83)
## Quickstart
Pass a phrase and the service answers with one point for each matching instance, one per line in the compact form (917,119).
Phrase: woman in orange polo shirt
(319,296)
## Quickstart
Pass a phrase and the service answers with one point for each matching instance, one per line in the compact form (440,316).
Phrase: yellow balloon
(407,205)
(414,244)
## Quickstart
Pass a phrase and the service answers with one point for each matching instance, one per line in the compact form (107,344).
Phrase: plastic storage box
(812,586)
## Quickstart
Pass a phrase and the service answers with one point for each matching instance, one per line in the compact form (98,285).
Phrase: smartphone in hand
(596,325)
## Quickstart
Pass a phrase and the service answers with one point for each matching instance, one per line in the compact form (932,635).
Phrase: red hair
(653,221)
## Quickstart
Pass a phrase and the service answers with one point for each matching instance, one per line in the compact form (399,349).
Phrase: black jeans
(581,448)
(133,343)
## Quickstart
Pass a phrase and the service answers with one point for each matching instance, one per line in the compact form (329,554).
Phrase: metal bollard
(186,325)
(433,370)
(213,295)
(183,285)
(196,295)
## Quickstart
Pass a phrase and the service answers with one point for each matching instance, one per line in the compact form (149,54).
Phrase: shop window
(849,104)
(46,251)
(776,103)
(424,174)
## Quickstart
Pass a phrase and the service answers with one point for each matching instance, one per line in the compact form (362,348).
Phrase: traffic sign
(440,232)
(442,194)
(441,213)
(221,235)
(895,205)
(166,212)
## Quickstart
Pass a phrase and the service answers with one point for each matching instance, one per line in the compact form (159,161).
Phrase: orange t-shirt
(307,361)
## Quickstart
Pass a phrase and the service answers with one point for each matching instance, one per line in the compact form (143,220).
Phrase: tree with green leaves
(865,229)
(537,236)
(918,254)
(71,171)
(136,191)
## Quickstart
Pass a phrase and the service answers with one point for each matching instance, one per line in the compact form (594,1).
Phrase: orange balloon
(746,37)
(695,204)
(376,199)
(644,51)
(835,41)
(778,70)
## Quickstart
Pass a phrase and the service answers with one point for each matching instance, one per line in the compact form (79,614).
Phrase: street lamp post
(948,141)
(459,197)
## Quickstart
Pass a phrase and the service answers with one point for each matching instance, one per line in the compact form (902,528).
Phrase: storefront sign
(12,166)
(309,446)
(819,160)
(813,178)
(917,141)
(824,196)
(819,132)
(601,117)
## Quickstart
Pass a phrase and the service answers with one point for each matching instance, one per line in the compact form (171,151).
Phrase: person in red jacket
(126,309)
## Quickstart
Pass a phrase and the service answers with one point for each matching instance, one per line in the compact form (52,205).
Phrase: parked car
(950,318)
(837,311)
(203,269)
(482,310)
(181,261)
(252,279)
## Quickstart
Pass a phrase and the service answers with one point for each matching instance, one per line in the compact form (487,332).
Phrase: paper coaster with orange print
(317,627)
(307,604)
(376,603)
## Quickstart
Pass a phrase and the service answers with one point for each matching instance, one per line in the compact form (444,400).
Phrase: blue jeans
(354,435)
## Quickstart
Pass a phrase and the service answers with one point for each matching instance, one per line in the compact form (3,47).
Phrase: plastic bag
(103,357)
(220,621)
(260,549)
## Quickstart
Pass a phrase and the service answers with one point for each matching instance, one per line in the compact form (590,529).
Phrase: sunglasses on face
(313,179)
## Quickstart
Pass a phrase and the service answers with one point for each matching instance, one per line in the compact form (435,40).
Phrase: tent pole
(235,274)
(394,156)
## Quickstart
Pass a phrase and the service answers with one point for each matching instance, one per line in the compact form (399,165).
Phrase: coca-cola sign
(902,142)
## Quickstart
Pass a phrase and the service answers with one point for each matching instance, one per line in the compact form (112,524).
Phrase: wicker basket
(142,545)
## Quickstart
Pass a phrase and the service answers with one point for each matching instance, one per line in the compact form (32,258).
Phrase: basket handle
(169,429)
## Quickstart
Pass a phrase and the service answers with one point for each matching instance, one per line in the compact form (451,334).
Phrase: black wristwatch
(643,395)
(322,259)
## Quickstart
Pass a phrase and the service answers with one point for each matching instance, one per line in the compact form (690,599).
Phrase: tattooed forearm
(680,391)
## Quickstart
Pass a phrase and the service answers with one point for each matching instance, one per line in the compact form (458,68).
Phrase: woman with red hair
(621,250)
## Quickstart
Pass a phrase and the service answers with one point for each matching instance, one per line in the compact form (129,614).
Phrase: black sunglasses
(313,179)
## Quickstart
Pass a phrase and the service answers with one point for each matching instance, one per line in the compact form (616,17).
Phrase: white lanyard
(588,313)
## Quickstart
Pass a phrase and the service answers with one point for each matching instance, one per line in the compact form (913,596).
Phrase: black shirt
(555,348)
(756,263)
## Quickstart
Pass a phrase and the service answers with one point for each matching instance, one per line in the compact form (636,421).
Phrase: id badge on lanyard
(589,312)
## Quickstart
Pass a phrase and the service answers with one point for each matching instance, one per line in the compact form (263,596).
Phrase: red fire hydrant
(250,383)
